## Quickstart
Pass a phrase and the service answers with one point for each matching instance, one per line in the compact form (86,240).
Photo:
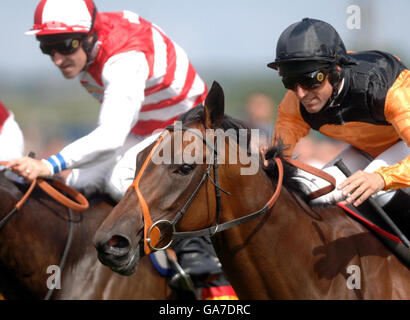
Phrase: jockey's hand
(360,186)
(29,168)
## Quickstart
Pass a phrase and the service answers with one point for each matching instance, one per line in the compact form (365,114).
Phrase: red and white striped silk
(4,114)
(172,86)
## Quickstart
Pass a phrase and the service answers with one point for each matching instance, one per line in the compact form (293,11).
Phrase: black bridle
(210,231)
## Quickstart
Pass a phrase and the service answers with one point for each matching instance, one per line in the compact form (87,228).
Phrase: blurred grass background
(53,111)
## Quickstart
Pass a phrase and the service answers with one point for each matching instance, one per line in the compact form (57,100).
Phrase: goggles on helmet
(66,46)
(307,81)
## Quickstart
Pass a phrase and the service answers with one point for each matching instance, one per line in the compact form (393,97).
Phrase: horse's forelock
(194,115)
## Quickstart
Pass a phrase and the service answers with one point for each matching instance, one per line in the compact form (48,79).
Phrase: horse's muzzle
(117,253)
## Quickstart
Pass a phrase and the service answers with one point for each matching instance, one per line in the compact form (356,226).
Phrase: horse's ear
(214,106)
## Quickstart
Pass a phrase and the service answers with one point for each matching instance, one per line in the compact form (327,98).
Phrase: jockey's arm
(124,77)
(395,176)
(397,112)
(290,126)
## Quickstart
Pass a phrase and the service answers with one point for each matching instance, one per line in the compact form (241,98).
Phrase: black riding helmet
(310,45)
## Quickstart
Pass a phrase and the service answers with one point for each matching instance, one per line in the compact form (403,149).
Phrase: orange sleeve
(397,112)
(396,176)
(397,106)
(290,126)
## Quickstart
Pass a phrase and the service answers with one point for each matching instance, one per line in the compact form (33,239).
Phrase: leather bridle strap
(151,232)
(53,190)
(224,226)
(317,172)
(227,225)
(65,252)
(18,205)
(155,234)
(79,204)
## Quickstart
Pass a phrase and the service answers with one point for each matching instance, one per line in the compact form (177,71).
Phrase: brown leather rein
(54,190)
(151,230)
(80,204)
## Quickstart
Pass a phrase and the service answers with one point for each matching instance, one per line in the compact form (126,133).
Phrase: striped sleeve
(55,163)
(124,79)
(4,114)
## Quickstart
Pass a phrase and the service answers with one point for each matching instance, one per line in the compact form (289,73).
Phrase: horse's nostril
(118,242)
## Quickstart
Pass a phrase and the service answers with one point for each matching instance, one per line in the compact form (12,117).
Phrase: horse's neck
(23,241)
(284,246)
(250,192)
(35,238)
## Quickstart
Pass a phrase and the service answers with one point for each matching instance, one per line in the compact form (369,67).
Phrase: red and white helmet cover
(62,16)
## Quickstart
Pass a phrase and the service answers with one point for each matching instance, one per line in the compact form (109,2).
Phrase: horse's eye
(185,169)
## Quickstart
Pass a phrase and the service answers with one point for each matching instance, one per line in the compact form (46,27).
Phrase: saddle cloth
(161,263)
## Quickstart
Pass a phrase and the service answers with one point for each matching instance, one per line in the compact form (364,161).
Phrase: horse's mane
(290,171)
(197,115)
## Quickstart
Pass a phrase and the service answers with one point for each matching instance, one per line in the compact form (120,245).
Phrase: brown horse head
(183,193)
(270,242)
(166,187)
(35,238)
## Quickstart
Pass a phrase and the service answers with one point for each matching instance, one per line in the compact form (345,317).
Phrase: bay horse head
(181,194)
(186,196)
(43,240)
(271,245)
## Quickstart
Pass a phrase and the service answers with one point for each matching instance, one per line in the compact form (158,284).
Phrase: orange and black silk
(371,113)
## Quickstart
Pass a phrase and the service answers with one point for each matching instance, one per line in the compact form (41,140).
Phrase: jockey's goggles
(308,81)
(66,46)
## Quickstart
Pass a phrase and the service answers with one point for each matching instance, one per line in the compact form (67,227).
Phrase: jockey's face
(314,99)
(70,65)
